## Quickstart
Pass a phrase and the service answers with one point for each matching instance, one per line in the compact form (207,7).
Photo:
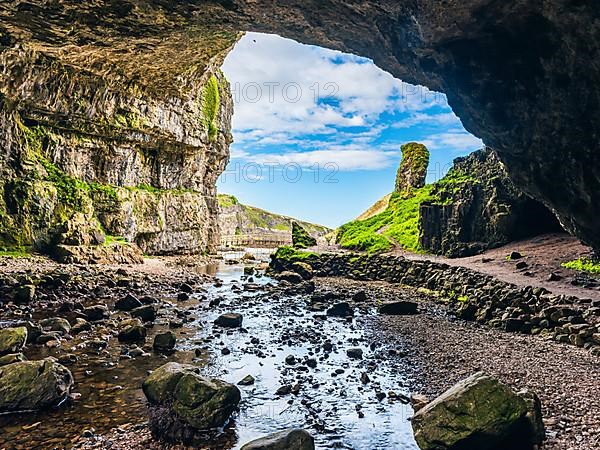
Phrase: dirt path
(543,255)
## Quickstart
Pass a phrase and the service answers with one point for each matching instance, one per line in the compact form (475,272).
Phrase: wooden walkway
(259,240)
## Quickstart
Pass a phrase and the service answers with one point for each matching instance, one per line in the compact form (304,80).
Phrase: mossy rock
(413,168)
(12,340)
(33,385)
(291,439)
(301,238)
(11,359)
(479,412)
(197,401)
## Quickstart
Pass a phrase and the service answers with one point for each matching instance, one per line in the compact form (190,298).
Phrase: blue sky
(317,133)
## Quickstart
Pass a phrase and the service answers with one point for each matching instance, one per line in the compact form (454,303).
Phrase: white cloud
(458,142)
(330,158)
(316,90)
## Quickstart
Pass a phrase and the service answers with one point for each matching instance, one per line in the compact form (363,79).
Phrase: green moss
(227,201)
(300,237)
(111,240)
(583,265)
(15,252)
(282,227)
(210,106)
(290,254)
(415,160)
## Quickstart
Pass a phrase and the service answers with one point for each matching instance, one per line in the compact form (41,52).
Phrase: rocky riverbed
(325,361)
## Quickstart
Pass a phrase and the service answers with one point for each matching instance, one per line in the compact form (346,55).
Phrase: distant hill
(238,222)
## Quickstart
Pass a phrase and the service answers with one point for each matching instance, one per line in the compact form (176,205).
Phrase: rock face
(31,385)
(183,401)
(92,160)
(484,210)
(292,439)
(479,412)
(413,168)
(518,74)
(300,237)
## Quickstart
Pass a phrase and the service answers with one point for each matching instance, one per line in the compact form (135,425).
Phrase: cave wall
(522,75)
(478,207)
(93,160)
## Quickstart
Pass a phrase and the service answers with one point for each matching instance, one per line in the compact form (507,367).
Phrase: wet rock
(127,303)
(292,439)
(304,270)
(146,313)
(290,360)
(186,288)
(284,390)
(11,358)
(248,380)
(354,353)
(229,320)
(12,340)
(290,277)
(25,293)
(80,326)
(164,342)
(521,265)
(514,256)
(478,412)
(342,309)
(225,351)
(311,362)
(359,296)
(399,308)
(418,401)
(32,385)
(554,277)
(96,313)
(56,324)
(131,330)
(183,398)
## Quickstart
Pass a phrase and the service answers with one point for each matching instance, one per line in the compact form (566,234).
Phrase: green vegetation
(227,201)
(210,106)
(413,168)
(291,254)
(15,252)
(399,223)
(282,227)
(111,240)
(583,265)
(300,237)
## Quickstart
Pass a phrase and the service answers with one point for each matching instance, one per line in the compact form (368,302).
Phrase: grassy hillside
(256,218)
(398,225)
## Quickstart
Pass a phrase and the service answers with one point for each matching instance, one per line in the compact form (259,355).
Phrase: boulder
(95,313)
(291,277)
(342,309)
(56,324)
(477,413)
(11,358)
(400,308)
(229,320)
(12,340)
(188,399)
(132,330)
(146,313)
(32,385)
(303,269)
(291,439)
(25,293)
(164,342)
(127,303)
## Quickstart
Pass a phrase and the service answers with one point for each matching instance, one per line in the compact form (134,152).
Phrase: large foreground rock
(31,385)
(292,439)
(477,413)
(183,401)
(12,340)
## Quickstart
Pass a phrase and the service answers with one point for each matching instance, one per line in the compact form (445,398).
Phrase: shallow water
(327,403)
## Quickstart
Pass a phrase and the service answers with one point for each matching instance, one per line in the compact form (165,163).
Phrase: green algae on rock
(300,237)
(12,340)
(32,385)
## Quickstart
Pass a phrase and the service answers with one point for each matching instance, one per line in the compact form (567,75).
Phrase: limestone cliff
(241,224)
(483,210)
(86,156)
(473,208)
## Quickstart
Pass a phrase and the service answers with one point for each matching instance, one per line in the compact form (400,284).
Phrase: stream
(340,401)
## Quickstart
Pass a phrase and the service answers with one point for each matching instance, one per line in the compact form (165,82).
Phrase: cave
(513,73)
